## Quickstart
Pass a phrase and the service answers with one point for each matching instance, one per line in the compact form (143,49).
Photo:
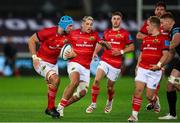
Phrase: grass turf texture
(23,99)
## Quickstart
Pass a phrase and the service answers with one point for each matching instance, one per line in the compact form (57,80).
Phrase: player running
(154,53)
(160,9)
(51,41)
(111,60)
(83,42)
(170,25)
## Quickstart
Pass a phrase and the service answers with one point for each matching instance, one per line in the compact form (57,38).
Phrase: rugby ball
(65,48)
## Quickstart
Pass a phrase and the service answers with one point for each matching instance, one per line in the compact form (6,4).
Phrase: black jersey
(174,30)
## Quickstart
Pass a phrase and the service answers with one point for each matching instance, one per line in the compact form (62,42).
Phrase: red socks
(63,102)
(95,92)
(136,103)
(51,97)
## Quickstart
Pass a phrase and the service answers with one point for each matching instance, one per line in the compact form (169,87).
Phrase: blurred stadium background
(24,98)
(19,19)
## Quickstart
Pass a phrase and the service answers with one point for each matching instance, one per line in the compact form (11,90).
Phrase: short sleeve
(165,44)
(143,28)
(128,38)
(43,34)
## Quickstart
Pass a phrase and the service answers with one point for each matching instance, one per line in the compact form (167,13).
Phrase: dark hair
(155,20)
(117,13)
(160,3)
(167,15)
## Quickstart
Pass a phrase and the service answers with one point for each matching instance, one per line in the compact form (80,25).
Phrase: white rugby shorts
(149,77)
(45,67)
(76,67)
(111,72)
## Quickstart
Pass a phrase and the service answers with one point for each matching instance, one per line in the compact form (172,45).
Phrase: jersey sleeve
(175,30)
(98,39)
(165,44)
(128,38)
(143,28)
(43,34)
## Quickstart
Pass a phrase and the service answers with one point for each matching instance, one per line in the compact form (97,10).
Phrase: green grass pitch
(23,99)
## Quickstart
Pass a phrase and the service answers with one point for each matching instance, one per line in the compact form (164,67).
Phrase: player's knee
(54,80)
(82,93)
(82,90)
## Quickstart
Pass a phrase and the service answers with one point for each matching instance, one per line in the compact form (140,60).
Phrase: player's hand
(116,52)
(36,63)
(155,67)
(105,44)
(70,54)
(94,56)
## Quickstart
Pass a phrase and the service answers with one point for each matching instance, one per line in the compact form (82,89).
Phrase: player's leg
(150,105)
(110,92)
(171,95)
(53,83)
(152,84)
(140,83)
(50,72)
(82,90)
(68,92)
(100,73)
(136,101)
(112,76)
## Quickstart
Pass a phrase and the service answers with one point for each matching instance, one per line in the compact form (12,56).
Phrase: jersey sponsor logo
(55,47)
(149,47)
(167,43)
(114,42)
(84,45)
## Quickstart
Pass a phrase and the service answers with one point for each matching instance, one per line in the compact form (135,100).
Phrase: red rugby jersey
(83,44)
(118,40)
(151,50)
(51,44)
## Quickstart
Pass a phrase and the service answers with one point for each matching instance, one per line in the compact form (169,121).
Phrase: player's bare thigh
(173,87)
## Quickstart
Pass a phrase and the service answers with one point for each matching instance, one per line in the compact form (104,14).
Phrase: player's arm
(140,35)
(105,44)
(32,41)
(161,62)
(97,49)
(129,48)
(143,32)
(175,41)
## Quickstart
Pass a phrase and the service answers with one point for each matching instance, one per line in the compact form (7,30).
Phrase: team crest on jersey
(91,38)
(118,35)
(65,40)
(155,40)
